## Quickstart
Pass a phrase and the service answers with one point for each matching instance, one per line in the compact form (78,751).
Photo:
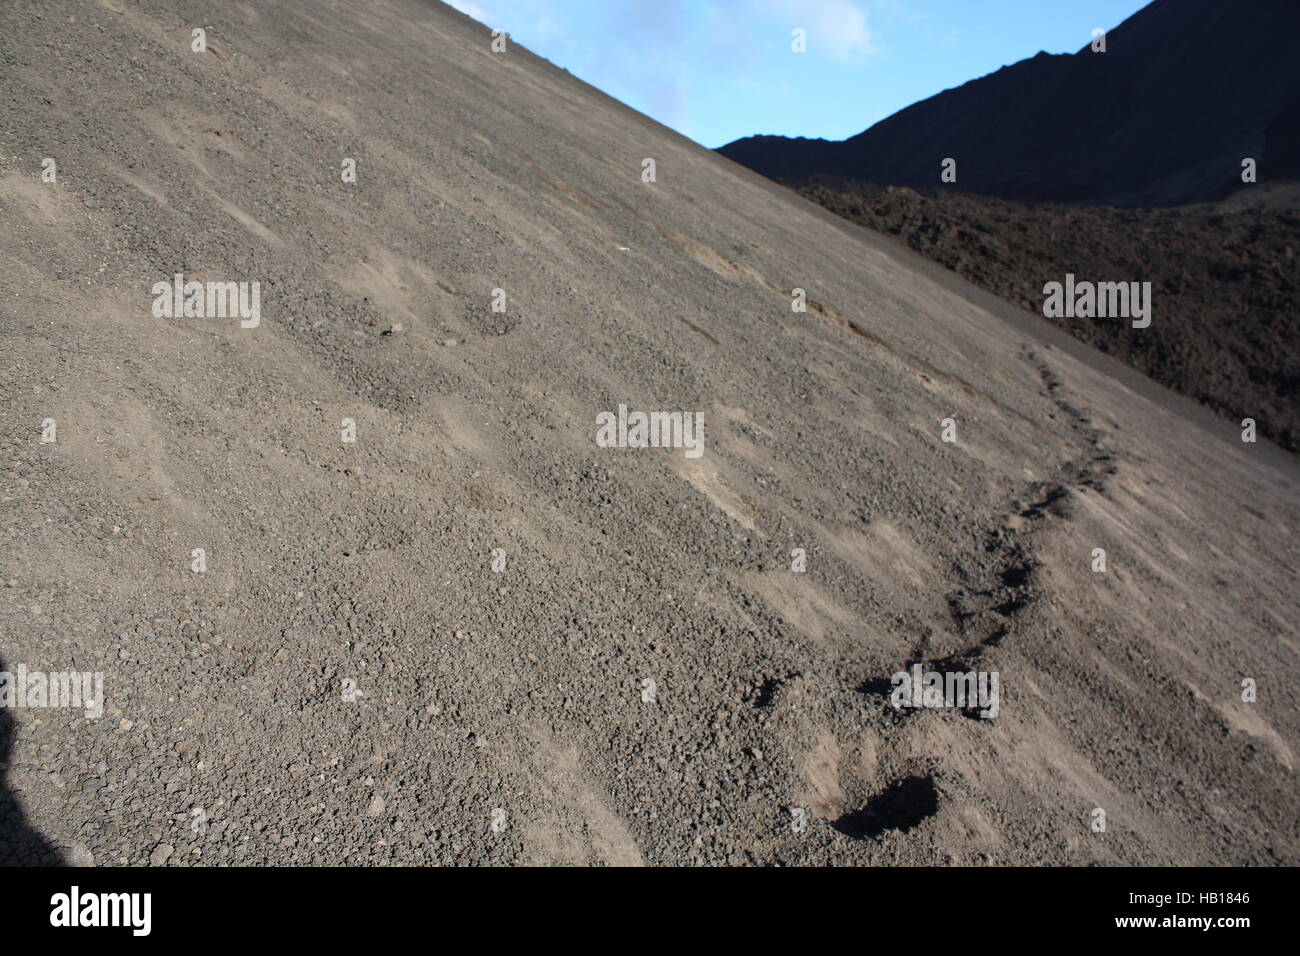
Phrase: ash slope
(522,690)
(1224,275)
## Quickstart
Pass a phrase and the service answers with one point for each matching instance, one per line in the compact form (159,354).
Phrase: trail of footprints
(986,616)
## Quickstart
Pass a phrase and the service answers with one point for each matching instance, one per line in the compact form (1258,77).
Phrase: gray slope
(521,690)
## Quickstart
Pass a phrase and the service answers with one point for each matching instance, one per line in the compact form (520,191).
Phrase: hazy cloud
(471,9)
(837,26)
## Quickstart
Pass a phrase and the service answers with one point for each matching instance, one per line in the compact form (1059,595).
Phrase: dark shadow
(876,687)
(900,806)
(766,693)
(957,663)
(20,844)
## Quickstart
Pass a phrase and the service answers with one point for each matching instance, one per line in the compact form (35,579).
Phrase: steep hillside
(1226,301)
(347,679)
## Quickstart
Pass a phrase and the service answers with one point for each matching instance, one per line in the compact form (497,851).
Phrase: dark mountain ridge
(1185,90)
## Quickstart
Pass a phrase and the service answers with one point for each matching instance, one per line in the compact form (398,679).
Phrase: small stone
(161,854)
(78,854)
(377,806)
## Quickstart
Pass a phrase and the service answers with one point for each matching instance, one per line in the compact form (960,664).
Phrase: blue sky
(717,70)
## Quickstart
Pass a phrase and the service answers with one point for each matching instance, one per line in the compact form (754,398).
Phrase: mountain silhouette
(1184,92)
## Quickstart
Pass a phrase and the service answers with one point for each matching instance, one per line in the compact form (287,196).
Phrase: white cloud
(471,9)
(837,26)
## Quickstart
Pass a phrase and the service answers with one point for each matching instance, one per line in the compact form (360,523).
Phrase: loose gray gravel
(349,681)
